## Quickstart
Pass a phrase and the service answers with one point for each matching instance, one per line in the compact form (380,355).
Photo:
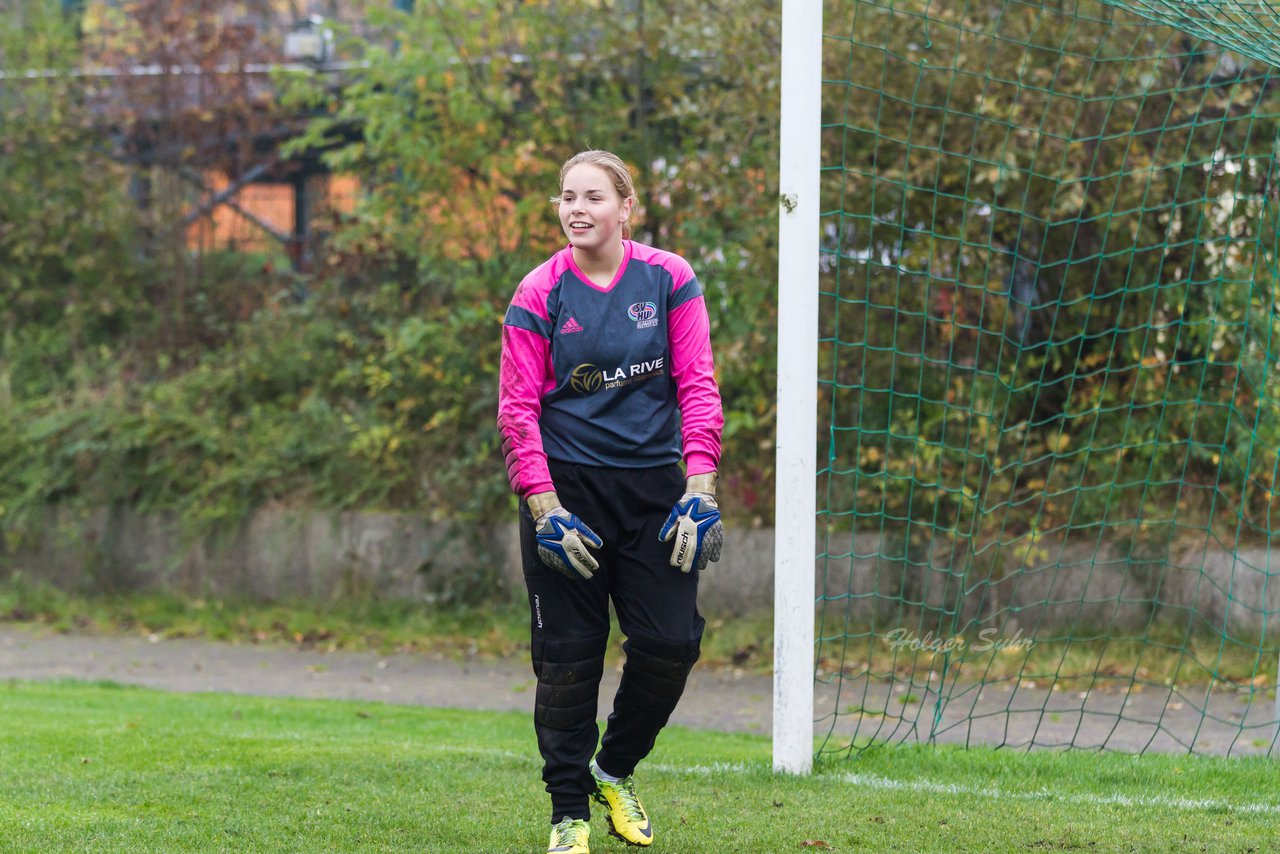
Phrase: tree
(69,280)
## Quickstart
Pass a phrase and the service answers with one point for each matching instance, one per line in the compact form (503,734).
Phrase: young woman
(607,384)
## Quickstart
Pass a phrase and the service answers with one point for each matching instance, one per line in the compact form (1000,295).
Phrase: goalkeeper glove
(563,538)
(695,524)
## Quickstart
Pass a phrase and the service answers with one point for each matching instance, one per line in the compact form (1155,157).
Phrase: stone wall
(869,579)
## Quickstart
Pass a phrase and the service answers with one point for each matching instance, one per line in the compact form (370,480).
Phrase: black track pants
(569,618)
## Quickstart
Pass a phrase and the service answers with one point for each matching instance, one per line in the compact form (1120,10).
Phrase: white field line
(873,781)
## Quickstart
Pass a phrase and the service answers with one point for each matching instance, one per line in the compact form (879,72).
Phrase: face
(591,211)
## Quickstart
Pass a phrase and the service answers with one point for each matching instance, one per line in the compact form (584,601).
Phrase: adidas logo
(570,325)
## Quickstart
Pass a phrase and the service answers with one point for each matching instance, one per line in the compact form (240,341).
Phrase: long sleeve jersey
(621,376)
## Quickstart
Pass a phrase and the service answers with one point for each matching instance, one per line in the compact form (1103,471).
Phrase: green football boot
(569,837)
(627,818)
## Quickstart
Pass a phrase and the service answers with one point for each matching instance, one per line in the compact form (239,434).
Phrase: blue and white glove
(563,538)
(694,523)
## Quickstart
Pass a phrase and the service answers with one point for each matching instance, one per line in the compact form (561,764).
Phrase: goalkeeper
(607,383)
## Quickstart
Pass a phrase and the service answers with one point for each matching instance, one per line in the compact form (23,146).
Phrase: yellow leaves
(1069,201)
(377,379)
(374,443)
(440,417)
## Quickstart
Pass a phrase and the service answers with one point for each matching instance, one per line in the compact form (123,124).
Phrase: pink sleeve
(522,377)
(693,370)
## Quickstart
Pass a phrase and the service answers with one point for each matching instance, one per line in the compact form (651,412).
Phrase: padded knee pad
(568,674)
(659,667)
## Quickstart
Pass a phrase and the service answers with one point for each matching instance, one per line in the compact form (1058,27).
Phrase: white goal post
(796,464)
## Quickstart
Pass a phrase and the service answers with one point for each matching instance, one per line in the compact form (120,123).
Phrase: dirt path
(715,699)
(1221,722)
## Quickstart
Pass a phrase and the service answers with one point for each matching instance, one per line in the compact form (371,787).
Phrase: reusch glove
(563,538)
(695,524)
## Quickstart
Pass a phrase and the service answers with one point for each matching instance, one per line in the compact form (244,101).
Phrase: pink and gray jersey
(621,376)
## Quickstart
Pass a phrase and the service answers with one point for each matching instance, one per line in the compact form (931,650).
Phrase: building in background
(189,96)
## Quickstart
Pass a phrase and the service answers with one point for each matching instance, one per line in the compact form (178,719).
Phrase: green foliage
(69,276)
(1012,280)
(1047,285)
(462,123)
(294,409)
(211,386)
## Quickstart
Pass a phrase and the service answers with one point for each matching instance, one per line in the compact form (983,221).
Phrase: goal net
(1048,375)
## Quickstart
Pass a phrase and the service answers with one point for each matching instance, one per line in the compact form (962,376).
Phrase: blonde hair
(613,166)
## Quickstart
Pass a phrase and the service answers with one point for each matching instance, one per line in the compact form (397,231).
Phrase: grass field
(99,767)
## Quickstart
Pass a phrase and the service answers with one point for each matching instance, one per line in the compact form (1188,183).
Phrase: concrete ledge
(869,579)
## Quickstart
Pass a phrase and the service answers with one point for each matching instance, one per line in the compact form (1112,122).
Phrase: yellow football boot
(627,818)
(569,837)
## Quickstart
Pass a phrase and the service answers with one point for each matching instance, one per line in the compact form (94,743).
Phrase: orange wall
(225,228)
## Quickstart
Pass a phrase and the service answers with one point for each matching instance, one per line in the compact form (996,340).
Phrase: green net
(1048,375)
